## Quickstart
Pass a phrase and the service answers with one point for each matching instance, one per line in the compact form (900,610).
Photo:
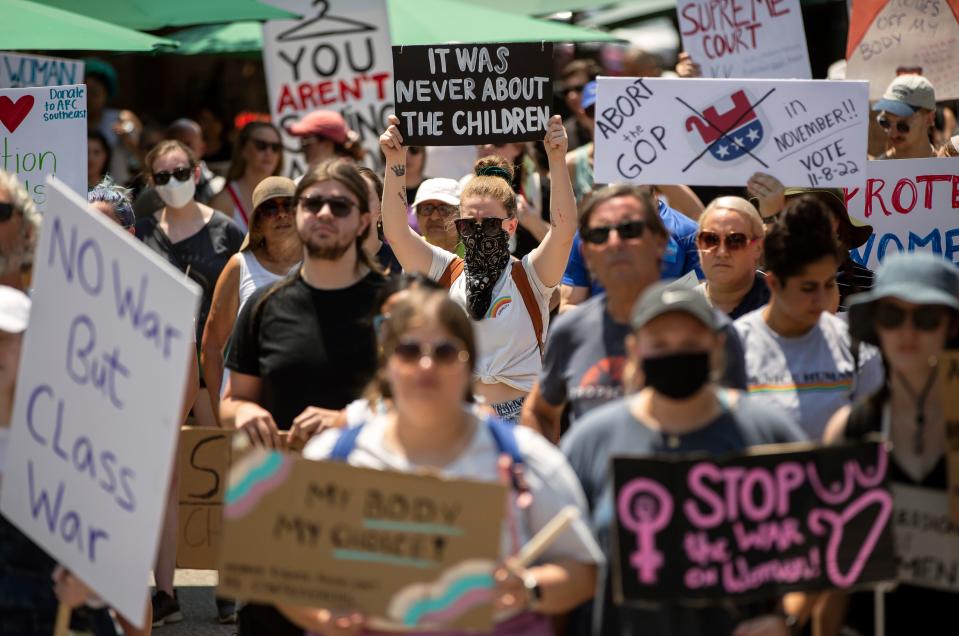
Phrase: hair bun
(494,166)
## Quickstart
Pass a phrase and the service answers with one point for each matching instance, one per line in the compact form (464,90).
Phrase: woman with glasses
(508,301)
(730,242)
(257,155)
(798,355)
(907,113)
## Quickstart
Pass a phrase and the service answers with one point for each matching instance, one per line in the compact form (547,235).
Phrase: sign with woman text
(22,71)
(99,395)
(721,132)
(406,550)
(43,132)
(458,94)
(758,38)
(754,525)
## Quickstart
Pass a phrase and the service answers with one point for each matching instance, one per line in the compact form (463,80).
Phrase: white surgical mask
(175,193)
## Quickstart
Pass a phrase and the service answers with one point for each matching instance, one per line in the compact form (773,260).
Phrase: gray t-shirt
(811,376)
(613,430)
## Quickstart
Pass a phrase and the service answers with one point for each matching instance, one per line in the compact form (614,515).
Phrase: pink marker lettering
(821,516)
(645,508)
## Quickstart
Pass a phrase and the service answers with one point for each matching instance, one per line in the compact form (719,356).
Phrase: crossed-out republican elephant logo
(731,134)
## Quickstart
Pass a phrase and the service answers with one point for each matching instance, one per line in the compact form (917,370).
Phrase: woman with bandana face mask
(507,299)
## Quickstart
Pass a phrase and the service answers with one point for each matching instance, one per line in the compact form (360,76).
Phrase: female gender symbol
(645,507)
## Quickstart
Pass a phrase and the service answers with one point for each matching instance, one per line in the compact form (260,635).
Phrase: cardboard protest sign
(337,57)
(24,71)
(911,204)
(405,550)
(721,132)
(927,540)
(745,39)
(459,94)
(98,399)
(43,131)
(203,460)
(887,37)
(754,525)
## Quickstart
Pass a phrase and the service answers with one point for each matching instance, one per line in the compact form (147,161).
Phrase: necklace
(920,400)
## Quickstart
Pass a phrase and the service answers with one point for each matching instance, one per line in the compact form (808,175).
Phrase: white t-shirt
(810,376)
(508,352)
(551,481)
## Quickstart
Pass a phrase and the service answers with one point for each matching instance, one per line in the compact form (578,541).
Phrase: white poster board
(24,71)
(43,131)
(927,540)
(98,400)
(911,204)
(749,39)
(337,57)
(720,132)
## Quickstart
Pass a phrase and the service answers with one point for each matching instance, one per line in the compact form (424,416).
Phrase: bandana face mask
(486,256)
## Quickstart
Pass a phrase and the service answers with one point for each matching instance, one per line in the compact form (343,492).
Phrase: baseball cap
(439,189)
(906,94)
(664,297)
(14,310)
(271,188)
(323,123)
(589,95)
(857,231)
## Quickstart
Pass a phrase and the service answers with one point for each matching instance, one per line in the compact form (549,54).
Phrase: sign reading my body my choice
(753,525)
(98,400)
(459,94)
(720,132)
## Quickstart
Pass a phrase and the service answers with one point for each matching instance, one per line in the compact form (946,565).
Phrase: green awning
(148,15)
(216,39)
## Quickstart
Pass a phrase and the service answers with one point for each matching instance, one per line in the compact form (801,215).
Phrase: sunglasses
(429,209)
(263,146)
(442,352)
(886,124)
(925,318)
(490,226)
(6,211)
(180,174)
(340,207)
(627,230)
(574,89)
(272,207)
(735,241)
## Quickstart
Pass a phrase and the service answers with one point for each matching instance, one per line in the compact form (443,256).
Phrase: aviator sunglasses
(180,174)
(339,206)
(924,318)
(442,352)
(626,230)
(490,226)
(735,241)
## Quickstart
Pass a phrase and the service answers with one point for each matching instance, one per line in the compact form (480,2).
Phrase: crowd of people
(522,324)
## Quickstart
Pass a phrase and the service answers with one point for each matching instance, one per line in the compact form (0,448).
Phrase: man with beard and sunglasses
(19,230)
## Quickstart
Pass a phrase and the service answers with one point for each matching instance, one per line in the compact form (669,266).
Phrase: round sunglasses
(180,174)
(490,226)
(626,230)
(735,241)
(885,123)
(443,352)
(339,206)
(924,318)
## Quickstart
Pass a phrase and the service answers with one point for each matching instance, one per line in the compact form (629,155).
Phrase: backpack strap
(521,280)
(345,443)
(453,271)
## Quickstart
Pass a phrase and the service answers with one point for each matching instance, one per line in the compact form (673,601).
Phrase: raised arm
(412,251)
(550,256)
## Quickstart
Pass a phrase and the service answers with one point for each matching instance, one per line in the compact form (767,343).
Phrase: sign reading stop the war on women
(337,57)
(473,93)
(745,38)
(721,132)
(753,525)
(911,204)
(97,403)
(24,71)
(43,131)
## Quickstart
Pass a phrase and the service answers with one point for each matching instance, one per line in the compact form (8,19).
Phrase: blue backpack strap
(345,443)
(505,439)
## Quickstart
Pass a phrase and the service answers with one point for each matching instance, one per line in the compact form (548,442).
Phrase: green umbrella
(157,14)
(545,7)
(29,26)
(214,39)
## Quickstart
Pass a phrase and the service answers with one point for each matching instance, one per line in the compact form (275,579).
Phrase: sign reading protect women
(720,132)
(43,132)
(98,399)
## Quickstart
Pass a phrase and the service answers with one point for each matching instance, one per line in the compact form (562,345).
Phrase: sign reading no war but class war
(721,132)
(460,94)
(98,400)
(405,550)
(755,525)
(43,131)
(203,460)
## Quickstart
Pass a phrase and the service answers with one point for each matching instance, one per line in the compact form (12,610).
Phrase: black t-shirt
(756,297)
(203,255)
(310,347)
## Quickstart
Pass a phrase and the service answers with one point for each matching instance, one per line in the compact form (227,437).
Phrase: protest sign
(721,132)
(757,39)
(43,131)
(459,94)
(203,460)
(98,399)
(405,550)
(754,525)
(911,204)
(337,57)
(24,71)
(927,540)
(887,37)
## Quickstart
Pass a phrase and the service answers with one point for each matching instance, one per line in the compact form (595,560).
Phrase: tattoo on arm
(399,171)
(402,193)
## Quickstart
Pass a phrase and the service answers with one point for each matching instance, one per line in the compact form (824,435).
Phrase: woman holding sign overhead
(507,300)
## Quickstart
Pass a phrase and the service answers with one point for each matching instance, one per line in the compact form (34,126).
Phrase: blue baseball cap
(589,95)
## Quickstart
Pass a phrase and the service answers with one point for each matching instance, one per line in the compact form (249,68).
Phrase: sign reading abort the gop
(473,93)
(754,525)
(721,132)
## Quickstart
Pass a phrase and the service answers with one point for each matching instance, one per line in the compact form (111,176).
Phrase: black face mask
(677,376)
(486,257)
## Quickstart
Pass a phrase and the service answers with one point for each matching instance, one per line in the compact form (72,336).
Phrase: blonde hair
(741,206)
(493,177)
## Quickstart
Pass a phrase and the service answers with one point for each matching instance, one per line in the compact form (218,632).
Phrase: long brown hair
(238,163)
